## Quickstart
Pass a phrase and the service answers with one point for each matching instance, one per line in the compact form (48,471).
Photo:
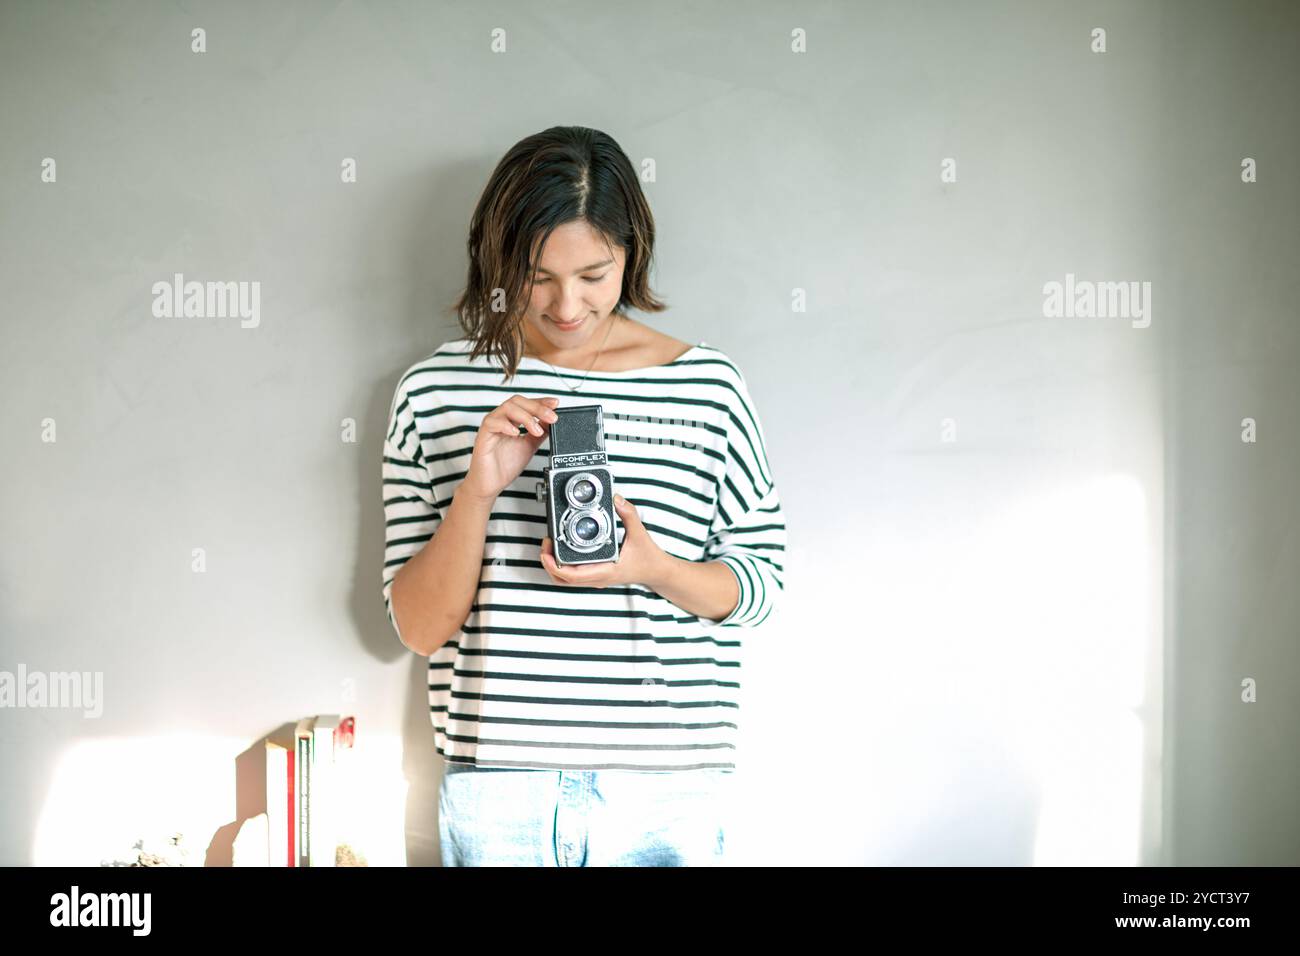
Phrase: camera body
(578,488)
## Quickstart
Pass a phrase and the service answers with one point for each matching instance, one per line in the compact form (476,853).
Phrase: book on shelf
(303,737)
(279,802)
(324,795)
(308,778)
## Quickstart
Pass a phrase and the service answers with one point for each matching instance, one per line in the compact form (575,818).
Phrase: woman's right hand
(500,452)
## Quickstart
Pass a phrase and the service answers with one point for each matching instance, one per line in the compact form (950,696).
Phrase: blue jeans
(498,816)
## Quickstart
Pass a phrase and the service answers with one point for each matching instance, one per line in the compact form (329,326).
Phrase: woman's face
(577,281)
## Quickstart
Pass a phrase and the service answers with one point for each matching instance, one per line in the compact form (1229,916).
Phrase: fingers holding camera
(529,413)
(496,462)
(548,562)
(583,575)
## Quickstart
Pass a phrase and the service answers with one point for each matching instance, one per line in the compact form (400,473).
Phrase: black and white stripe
(554,676)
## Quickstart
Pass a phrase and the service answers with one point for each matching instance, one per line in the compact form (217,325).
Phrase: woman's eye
(540,279)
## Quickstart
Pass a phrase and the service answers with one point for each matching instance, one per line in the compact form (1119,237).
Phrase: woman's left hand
(639,558)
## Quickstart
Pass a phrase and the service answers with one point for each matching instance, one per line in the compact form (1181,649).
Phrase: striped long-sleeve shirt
(555,676)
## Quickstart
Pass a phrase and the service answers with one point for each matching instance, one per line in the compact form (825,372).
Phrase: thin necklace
(593,361)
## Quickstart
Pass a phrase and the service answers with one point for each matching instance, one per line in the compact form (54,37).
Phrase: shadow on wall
(421,770)
(430,279)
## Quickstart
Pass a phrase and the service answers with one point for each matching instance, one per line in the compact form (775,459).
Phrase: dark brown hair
(560,175)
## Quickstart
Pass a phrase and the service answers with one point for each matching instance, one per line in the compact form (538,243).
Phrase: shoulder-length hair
(560,175)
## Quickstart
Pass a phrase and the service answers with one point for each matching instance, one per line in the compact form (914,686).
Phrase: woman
(587,713)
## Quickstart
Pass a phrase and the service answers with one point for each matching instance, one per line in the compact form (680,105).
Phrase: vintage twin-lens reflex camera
(578,488)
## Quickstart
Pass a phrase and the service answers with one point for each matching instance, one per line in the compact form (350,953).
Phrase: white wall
(1022,645)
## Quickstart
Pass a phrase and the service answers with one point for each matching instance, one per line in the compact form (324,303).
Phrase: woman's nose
(567,306)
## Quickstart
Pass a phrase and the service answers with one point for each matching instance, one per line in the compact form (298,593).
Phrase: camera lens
(586,529)
(583,490)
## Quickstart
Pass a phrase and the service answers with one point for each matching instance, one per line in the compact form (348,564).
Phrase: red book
(279,802)
(289,816)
